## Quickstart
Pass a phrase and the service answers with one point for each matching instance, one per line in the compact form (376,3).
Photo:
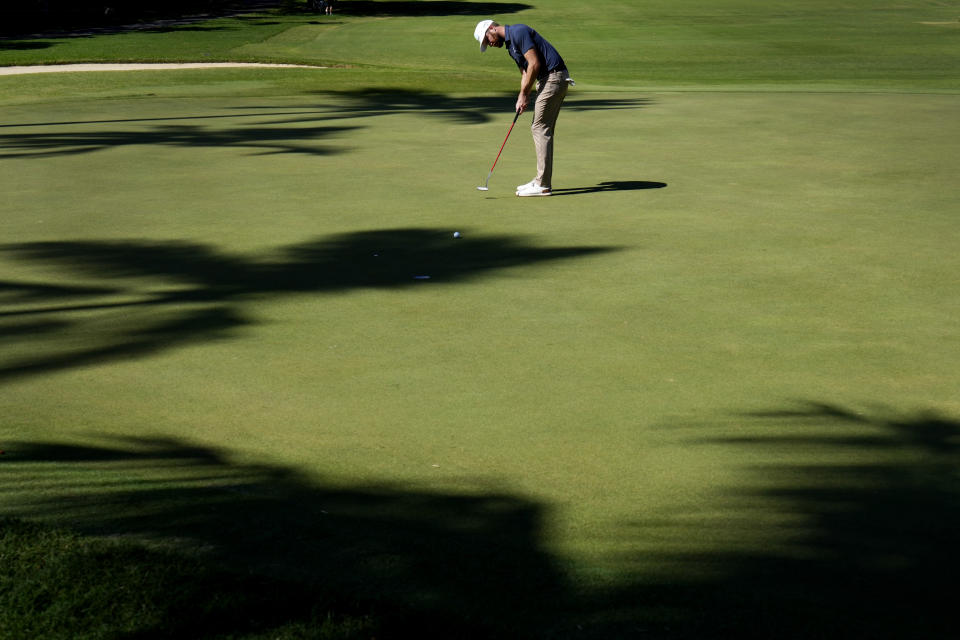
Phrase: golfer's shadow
(613,185)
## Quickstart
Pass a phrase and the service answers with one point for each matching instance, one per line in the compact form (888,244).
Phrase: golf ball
(456,234)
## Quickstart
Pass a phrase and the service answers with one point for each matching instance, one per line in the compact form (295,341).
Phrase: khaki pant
(550,95)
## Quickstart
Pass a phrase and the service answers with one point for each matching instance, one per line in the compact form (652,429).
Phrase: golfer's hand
(522,103)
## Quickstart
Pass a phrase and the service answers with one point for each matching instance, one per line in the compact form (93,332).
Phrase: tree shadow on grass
(403,8)
(267,139)
(423,563)
(869,551)
(11,291)
(23,45)
(866,513)
(152,296)
(379,101)
(85,19)
(277,130)
(127,17)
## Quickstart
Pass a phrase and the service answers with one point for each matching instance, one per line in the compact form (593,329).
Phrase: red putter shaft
(505,141)
(487,183)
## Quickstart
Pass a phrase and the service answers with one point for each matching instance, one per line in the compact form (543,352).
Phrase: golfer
(539,64)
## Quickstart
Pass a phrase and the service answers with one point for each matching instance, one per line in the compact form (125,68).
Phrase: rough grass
(56,584)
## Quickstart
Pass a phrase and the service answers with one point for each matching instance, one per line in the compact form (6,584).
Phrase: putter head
(483,188)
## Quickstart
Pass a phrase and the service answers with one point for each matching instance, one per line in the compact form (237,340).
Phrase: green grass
(53,581)
(860,44)
(706,390)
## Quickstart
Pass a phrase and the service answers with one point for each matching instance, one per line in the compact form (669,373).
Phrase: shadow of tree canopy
(378,101)
(20,292)
(422,562)
(23,45)
(396,8)
(84,18)
(871,553)
(271,140)
(269,129)
(61,19)
(194,293)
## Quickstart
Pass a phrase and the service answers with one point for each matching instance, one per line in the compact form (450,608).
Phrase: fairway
(706,389)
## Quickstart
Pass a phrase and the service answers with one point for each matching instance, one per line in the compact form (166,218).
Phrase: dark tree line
(28,16)
(24,18)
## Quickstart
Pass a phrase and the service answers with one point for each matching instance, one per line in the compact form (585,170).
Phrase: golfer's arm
(529,78)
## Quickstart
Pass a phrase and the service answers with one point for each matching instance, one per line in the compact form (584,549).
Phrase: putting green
(706,254)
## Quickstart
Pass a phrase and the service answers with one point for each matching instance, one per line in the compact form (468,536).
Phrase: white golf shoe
(533,190)
(532,183)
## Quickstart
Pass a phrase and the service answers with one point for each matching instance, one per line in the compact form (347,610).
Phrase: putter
(486,184)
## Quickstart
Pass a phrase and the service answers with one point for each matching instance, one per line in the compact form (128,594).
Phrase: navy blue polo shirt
(519,38)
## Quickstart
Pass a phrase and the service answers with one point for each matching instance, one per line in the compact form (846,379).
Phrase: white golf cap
(480,33)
